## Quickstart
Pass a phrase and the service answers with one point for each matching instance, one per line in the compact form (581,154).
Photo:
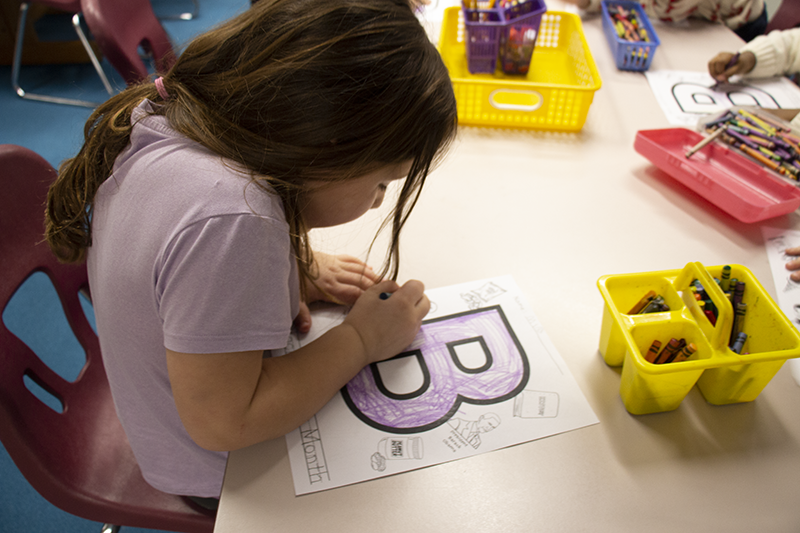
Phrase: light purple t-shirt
(188,255)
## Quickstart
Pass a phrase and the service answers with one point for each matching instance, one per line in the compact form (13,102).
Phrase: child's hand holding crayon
(724,65)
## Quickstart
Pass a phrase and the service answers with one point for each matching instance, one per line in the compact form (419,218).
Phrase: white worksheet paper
(788,291)
(481,375)
(686,96)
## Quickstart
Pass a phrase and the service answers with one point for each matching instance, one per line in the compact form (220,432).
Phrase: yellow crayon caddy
(721,375)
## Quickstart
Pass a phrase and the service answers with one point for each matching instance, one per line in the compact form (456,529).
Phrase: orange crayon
(668,352)
(642,303)
(759,156)
(652,352)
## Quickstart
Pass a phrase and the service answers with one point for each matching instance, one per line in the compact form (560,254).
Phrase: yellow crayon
(769,153)
(772,122)
(685,353)
(766,127)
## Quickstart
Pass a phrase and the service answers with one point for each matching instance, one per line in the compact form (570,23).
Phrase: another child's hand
(341,279)
(793,264)
(720,71)
(387,326)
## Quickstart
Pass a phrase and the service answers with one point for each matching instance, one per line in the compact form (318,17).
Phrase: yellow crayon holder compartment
(721,375)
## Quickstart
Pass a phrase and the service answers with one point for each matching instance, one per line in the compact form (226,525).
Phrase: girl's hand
(794,264)
(342,277)
(720,70)
(387,326)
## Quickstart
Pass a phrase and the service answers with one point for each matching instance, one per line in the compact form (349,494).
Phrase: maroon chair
(120,27)
(79,459)
(786,16)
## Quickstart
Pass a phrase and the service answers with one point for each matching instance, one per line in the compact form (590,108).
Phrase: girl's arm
(232,400)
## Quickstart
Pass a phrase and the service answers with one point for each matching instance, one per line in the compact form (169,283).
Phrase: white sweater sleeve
(776,54)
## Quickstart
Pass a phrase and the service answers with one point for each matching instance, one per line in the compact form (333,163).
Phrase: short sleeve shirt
(188,254)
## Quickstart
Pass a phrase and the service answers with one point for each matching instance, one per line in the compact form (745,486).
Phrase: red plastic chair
(120,27)
(786,16)
(79,459)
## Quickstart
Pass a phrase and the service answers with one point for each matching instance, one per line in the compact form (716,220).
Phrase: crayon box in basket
(721,375)
(555,94)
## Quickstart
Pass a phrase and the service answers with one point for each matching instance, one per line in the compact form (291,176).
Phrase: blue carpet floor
(34,315)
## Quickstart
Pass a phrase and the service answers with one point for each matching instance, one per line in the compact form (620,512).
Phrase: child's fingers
(718,65)
(385,286)
(414,292)
(743,64)
(794,264)
(792,251)
(351,270)
(356,266)
(302,322)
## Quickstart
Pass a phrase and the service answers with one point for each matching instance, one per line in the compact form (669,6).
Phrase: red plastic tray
(732,182)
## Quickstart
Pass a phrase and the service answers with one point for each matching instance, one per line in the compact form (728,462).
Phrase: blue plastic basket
(630,55)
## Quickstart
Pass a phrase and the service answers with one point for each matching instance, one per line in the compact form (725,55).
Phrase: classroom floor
(55,132)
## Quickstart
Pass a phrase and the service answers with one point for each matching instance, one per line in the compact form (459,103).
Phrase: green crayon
(725,279)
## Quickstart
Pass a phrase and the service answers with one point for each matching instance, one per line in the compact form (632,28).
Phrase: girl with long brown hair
(191,201)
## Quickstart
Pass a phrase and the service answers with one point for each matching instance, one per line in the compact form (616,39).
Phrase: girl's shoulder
(168,171)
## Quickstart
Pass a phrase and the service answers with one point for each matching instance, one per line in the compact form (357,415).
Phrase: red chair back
(120,27)
(787,16)
(80,459)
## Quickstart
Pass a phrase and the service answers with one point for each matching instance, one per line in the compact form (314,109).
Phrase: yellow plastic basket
(722,375)
(554,95)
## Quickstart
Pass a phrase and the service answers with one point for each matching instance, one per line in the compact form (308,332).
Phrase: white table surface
(557,211)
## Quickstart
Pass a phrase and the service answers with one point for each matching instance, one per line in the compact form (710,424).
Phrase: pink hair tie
(162,91)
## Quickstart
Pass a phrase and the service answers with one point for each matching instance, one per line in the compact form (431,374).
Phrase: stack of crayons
(650,303)
(627,24)
(675,351)
(734,290)
(762,138)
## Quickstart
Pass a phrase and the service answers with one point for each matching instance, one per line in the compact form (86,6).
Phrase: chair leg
(76,23)
(17,62)
(109,528)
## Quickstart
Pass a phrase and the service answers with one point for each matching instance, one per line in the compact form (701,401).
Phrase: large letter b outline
(448,379)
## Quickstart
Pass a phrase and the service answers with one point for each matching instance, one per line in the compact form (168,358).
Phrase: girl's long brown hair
(295,91)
